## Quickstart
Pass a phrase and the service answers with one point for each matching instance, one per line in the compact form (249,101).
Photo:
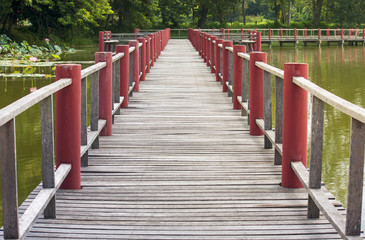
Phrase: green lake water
(340,70)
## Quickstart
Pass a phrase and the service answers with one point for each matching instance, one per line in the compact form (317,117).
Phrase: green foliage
(10,49)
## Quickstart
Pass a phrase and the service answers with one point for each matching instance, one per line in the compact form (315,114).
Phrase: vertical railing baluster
(230,72)
(46,106)
(221,65)
(116,88)
(356,173)
(279,93)
(84,158)
(131,72)
(94,107)
(267,108)
(9,188)
(315,170)
(246,87)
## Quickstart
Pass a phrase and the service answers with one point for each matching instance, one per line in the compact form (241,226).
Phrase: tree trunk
(289,14)
(317,9)
(277,12)
(203,13)
(243,12)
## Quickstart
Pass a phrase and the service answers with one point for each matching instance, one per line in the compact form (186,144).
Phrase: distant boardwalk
(181,165)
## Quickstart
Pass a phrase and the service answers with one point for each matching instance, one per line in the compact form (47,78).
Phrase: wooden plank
(94,107)
(315,171)
(9,188)
(273,70)
(333,215)
(279,93)
(356,175)
(117,106)
(92,137)
(41,200)
(92,69)
(341,104)
(267,108)
(12,110)
(48,152)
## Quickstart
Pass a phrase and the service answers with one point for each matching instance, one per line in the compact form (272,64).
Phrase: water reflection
(342,74)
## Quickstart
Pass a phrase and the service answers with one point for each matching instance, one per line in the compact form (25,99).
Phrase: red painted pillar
(101,41)
(305,33)
(227,33)
(281,32)
(241,33)
(212,55)
(105,91)
(134,43)
(295,33)
(218,59)
(152,49)
(258,41)
(68,124)
(224,33)
(363,33)
(200,43)
(294,123)
(136,31)
(269,33)
(328,33)
(319,33)
(148,54)
(350,32)
(124,73)
(237,74)
(143,58)
(204,47)
(209,41)
(226,63)
(256,92)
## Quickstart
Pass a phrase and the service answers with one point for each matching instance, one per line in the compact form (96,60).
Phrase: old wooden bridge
(179,162)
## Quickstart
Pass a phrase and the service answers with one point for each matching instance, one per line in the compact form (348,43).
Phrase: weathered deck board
(181,165)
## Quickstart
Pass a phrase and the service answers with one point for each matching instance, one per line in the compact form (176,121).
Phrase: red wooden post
(200,43)
(68,124)
(227,33)
(237,74)
(226,63)
(258,41)
(350,32)
(295,33)
(305,33)
(294,123)
(256,92)
(212,56)
(328,33)
(143,58)
(281,32)
(241,33)
(270,33)
(148,54)
(135,71)
(105,91)
(124,73)
(356,33)
(209,43)
(136,30)
(152,48)
(101,41)
(224,33)
(341,33)
(319,33)
(218,59)
(363,33)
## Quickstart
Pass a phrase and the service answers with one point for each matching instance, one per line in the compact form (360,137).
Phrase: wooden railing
(248,78)
(112,80)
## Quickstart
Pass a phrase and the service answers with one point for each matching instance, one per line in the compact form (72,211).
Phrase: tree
(173,13)
(317,10)
(244,3)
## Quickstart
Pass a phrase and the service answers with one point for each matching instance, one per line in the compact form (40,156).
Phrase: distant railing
(112,80)
(248,78)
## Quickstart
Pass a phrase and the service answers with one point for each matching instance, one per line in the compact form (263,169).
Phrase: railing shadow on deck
(247,78)
(117,71)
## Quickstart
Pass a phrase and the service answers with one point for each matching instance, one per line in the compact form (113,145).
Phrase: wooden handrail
(14,109)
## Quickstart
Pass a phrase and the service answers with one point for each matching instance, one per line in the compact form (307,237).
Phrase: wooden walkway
(181,165)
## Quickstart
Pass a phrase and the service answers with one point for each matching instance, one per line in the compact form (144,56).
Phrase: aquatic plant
(12,50)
